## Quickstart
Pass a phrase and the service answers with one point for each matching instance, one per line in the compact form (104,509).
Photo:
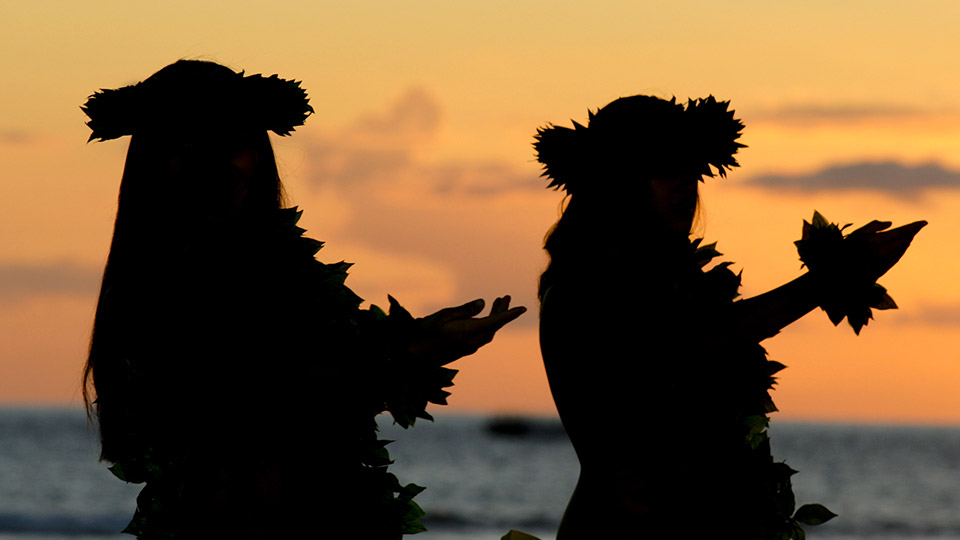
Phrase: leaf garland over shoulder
(719,285)
(399,385)
(405,387)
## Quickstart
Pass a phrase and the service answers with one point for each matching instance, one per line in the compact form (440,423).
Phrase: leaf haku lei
(640,133)
(228,100)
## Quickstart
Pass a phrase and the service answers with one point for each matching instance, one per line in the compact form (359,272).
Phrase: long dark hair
(179,187)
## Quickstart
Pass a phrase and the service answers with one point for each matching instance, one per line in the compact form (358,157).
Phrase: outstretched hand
(455,332)
(884,248)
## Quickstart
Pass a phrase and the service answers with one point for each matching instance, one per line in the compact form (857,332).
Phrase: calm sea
(886,482)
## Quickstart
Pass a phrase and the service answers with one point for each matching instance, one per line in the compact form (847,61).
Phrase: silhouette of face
(673,201)
(221,176)
(242,166)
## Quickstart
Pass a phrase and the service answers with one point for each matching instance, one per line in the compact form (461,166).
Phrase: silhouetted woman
(656,371)
(232,372)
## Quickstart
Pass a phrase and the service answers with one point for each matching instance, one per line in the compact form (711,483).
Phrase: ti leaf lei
(784,521)
(406,389)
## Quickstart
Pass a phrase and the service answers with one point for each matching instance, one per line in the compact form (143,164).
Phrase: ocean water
(885,482)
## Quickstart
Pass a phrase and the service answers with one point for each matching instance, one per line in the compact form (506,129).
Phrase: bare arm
(763,316)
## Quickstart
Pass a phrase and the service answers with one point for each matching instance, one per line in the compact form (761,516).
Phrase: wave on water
(62,525)
(525,426)
(440,520)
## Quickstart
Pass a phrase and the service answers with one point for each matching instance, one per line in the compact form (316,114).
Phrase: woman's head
(200,149)
(634,170)
(633,145)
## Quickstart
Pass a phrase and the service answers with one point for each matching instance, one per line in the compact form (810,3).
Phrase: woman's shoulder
(578,317)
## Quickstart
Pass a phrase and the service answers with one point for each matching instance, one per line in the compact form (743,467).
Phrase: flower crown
(195,95)
(640,133)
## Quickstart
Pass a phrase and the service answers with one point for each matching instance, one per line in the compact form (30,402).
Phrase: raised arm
(763,316)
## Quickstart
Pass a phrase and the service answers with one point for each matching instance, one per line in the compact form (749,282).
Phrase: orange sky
(418,164)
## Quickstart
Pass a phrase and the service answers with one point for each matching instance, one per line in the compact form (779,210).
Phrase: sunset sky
(418,164)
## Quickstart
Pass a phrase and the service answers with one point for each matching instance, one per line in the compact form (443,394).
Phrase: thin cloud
(384,148)
(19,280)
(488,178)
(810,114)
(885,176)
(416,113)
(942,315)
(333,162)
(15,137)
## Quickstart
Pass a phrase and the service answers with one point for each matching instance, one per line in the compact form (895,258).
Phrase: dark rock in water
(509,426)
(525,427)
